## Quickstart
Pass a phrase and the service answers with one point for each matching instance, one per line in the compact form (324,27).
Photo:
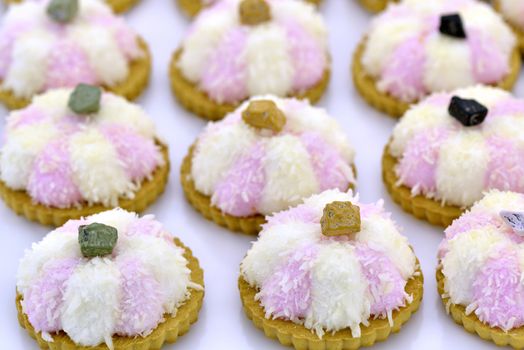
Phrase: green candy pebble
(97,239)
(85,99)
(62,11)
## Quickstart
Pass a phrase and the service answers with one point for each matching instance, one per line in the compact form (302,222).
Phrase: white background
(222,323)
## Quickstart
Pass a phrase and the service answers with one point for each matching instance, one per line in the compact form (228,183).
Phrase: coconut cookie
(73,153)
(513,12)
(266,156)
(331,273)
(416,48)
(237,49)
(450,148)
(61,43)
(110,280)
(480,269)
(193,7)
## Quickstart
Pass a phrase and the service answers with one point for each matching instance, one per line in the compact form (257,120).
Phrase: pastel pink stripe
(417,168)
(224,77)
(489,64)
(139,155)
(308,57)
(369,209)
(386,285)
(71,226)
(240,191)
(498,293)
(326,161)
(287,293)
(469,221)
(141,299)
(439,99)
(43,300)
(403,76)
(507,107)
(301,213)
(51,181)
(26,117)
(148,226)
(68,66)
(506,165)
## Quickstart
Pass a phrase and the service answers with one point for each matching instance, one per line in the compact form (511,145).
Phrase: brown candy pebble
(253,12)
(264,114)
(340,218)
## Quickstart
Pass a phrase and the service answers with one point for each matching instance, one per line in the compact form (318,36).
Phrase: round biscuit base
(21,203)
(420,206)
(166,332)
(301,338)
(374,5)
(472,324)
(250,225)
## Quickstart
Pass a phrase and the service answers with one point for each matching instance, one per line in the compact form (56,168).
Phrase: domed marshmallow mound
(237,49)
(331,272)
(267,155)
(480,268)
(450,148)
(72,153)
(416,48)
(111,278)
(61,43)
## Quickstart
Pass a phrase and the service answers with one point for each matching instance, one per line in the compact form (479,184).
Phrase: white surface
(222,323)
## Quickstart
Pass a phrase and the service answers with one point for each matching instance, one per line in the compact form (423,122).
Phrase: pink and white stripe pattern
(63,160)
(301,275)
(410,59)
(37,54)
(231,62)
(247,171)
(127,293)
(481,258)
(440,158)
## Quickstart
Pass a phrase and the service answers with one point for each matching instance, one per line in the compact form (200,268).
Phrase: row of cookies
(236,49)
(330,273)
(72,152)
